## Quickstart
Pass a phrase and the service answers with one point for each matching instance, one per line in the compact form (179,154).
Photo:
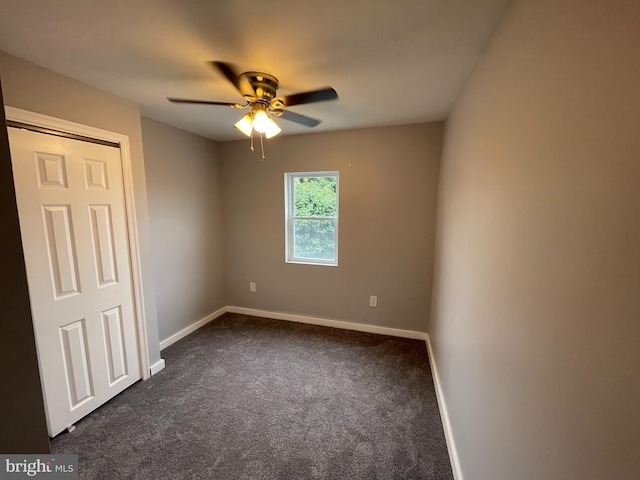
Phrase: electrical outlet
(373,301)
(252,286)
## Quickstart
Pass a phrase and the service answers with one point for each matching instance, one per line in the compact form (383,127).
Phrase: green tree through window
(312,200)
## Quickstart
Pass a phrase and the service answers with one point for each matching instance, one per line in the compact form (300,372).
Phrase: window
(311,210)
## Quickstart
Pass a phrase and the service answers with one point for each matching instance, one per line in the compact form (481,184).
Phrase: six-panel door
(73,222)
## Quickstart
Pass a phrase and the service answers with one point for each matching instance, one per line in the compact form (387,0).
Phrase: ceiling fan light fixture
(245,124)
(261,121)
(273,129)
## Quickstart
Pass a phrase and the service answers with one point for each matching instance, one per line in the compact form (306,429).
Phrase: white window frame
(289,192)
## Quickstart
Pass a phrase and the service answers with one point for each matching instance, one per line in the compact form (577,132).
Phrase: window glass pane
(314,239)
(314,197)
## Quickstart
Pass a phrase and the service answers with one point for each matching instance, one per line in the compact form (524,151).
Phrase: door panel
(62,252)
(74,348)
(103,244)
(73,222)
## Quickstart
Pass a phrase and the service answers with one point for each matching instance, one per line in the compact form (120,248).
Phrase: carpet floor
(253,398)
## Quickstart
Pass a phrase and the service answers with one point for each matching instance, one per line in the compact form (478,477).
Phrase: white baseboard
(359,327)
(157,367)
(444,414)
(191,328)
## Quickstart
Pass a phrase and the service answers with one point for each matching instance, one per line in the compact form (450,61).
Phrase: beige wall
(536,318)
(388,182)
(39,90)
(183,179)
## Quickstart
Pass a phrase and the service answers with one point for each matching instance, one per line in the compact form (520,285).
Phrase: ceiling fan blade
(241,83)
(320,95)
(301,119)
(204,102)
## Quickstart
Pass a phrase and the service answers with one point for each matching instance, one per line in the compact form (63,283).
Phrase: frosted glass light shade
(261,121)
(245,125)
(272,130)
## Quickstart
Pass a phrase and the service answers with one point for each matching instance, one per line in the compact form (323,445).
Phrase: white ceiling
(391,61)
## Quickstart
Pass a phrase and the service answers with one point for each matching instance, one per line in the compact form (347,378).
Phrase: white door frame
(39,120)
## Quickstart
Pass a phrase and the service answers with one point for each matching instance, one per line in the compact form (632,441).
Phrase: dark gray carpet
(252,398)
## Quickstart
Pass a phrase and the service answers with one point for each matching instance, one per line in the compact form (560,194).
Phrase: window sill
(312,262)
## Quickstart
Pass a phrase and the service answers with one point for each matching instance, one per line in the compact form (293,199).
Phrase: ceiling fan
(259,91)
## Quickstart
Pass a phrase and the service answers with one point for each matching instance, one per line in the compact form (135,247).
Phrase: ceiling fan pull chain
(262,147)
(252,139)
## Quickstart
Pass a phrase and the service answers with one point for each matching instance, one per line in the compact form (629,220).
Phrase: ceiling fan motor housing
(265,85)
